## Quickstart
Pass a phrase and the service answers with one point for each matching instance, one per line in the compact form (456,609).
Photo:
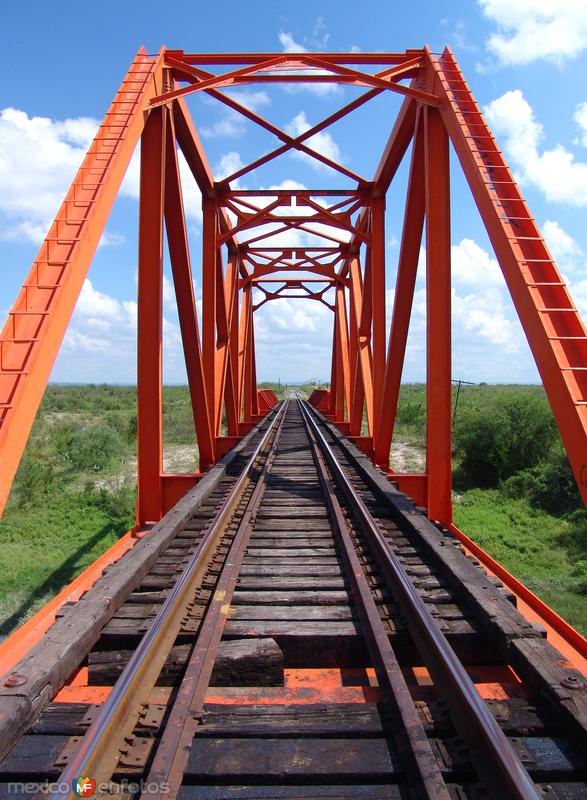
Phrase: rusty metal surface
(413,743)
(99,750)
(496,757)
(173,749)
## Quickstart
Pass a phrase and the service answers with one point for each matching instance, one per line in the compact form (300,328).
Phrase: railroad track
(295,628)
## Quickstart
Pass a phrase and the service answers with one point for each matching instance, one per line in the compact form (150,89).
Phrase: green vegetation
(74,493)
(515,494)
(548,553)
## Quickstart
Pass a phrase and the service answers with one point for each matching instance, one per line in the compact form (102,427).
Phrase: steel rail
(421,764)
(98,752)
(495,757)
(171,757)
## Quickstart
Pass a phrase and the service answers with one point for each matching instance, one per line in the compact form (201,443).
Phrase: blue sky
(523,60)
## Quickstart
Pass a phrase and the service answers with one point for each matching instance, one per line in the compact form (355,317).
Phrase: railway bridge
(294,619)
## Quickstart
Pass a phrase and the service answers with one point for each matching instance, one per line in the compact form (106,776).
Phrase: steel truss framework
(344,270)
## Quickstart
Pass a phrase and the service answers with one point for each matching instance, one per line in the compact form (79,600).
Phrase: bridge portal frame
(239,275)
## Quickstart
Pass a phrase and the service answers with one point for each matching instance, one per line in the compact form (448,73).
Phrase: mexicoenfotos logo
(84,787)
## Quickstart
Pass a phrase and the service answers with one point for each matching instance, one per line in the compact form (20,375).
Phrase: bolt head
(15,679)
(572,682)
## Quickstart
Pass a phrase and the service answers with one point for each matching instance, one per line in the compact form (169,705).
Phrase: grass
(46,546)
(544,551)
(67,508)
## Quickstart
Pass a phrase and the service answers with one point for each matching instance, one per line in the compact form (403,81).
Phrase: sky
(525,62)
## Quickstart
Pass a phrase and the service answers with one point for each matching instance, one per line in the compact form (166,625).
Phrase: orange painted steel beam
(210,255)
(404,295)
(223,392)
(186,303)
(343,337)
(150,319)
(30,339)
(438,319)
(377,258)
(555,331)
(231,300)
(253,370)
(191,147)
(361,300)
(258,58)
(337,387)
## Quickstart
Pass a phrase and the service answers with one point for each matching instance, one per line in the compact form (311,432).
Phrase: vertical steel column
(253,369)
(353,356)
(242,395)
(231,301)
(363,390)
(248,391)
(404,295)
(341,373)
(150,319)
(343,329)
(334,389)
(438,331)
(186,303)
(209,256)
(378,303)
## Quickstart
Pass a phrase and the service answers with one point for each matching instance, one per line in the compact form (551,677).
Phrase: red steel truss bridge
(294,619)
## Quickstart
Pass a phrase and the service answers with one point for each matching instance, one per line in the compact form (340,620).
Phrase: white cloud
(251,99)
(579,295)
(485,328)
(95,305)
(528,30)
(555,172)
(233,124)
(580,117)
(289,44)
(229,164)
(230,126)
(461,39)
(318,39)
(471,265)
(317,42)
(112,239)
(322,142)
(39,158)
(570,258)
(100,343)
(169,298)
(192,197)
(563,247)
(293,340)
(483,314)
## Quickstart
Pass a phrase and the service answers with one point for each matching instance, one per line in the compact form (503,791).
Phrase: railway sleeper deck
(295,705)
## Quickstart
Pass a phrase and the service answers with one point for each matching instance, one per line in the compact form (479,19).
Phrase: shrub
(93,448)
(502,437)
(549,484)
(117,502)
(32,479)
(411,414)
